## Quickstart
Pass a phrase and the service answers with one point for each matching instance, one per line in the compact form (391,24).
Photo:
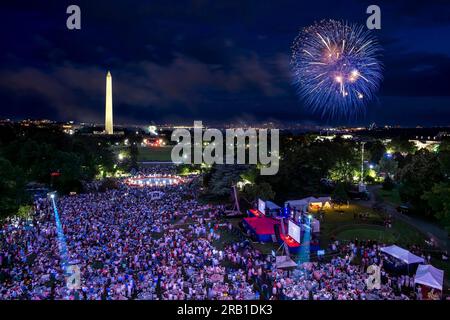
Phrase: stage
(262,227)
(293,246)
(254,213)
(153,181)
(264,230)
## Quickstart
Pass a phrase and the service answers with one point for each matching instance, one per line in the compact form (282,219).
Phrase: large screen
(294,231)
(262,206)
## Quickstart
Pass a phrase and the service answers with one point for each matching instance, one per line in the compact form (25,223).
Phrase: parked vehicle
(356,195)
(404,208)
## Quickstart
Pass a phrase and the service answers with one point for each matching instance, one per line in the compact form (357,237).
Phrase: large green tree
(262,190)
(418,176)
(444,158)
(12,188)
(376,150)
(438,198)
(402,145)
(388,166)
(221,178)
(32,154)
(340,193)
(305,161)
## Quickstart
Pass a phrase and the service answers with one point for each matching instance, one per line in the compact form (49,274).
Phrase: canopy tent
(297,204)
(402,254)
(303,204)
(320,202)
(283,262)
(430,276)
(272,206)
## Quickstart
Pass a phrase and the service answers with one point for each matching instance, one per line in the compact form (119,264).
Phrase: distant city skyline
(219,62)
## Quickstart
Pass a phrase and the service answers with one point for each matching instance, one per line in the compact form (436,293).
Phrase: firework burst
(336,67)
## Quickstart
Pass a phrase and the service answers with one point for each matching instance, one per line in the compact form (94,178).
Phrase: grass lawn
(400,234)
(339,218)
(155,153)
(406,234)
(342,224)
(367,233)
(391,196)
(227,237)
(266,248)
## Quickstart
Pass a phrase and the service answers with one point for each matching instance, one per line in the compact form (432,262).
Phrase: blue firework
(336,67)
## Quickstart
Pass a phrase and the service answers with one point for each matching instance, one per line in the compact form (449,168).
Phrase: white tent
(303,204)
(272,206)
(430,276)
(323,201)
(283,262)
(402,254)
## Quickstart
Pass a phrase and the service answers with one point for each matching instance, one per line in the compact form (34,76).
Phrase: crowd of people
(128,245)
(342,278)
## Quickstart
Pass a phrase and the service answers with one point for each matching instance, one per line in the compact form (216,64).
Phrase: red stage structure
(264,229)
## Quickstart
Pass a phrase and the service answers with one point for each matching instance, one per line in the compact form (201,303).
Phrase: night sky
(216,60)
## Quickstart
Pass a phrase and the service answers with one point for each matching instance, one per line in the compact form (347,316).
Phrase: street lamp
(362,161)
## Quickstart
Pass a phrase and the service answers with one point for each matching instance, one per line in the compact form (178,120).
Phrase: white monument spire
(108,106)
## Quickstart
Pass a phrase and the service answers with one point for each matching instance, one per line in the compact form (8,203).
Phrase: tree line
(47,156)
(309,166)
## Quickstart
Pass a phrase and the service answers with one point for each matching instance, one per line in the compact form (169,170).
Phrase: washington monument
(108,106)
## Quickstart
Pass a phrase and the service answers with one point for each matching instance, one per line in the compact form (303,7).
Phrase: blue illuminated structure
(62,244)
(304,255)
(286,212)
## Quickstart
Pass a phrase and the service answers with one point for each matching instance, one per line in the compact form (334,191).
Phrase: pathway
(426,227)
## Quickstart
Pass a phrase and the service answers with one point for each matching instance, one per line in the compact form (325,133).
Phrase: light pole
(362,161)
